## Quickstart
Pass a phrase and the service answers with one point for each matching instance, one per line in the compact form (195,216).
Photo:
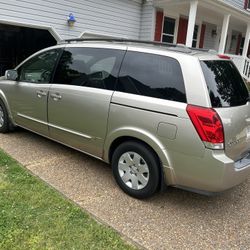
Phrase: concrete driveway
(172,220)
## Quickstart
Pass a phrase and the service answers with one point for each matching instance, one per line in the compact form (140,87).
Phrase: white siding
(114,17)
(147,21)
(209,41)
(237,3)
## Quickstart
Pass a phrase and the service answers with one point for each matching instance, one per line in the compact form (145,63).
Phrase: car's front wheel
(5,124)
(136,169)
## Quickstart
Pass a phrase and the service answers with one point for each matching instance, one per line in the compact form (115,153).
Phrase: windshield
(225,84)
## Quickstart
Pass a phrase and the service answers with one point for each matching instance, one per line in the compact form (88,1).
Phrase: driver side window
(39,69)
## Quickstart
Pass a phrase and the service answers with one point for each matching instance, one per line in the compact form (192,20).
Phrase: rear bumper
(235,173)
(215,172)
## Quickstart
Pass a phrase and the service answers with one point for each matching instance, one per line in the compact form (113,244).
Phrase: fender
(3,98)
(149,139)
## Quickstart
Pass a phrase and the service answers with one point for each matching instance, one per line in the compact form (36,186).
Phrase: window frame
(197,39)
(175,28)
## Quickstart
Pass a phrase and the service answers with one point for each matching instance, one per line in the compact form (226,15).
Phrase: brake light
(224,57)
(208,126)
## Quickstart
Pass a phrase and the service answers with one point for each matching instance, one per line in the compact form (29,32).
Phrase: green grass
(35,216)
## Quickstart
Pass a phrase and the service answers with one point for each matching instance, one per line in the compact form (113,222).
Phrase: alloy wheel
(133,170)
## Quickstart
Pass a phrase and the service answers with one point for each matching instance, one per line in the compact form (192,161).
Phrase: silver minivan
(161,115)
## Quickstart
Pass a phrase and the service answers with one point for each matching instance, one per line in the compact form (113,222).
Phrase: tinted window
(89,67)
(152,75)
(225,84)
(39,69)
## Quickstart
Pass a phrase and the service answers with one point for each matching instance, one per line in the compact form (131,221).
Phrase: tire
(5,124)
(136,169)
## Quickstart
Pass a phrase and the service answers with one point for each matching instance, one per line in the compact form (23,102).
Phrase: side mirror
(11,74)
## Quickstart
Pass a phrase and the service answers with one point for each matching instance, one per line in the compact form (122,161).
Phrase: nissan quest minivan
(161,115)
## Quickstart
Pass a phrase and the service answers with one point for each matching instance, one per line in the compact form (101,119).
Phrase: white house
(222,25)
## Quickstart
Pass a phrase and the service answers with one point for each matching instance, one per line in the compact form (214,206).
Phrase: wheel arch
(125,134)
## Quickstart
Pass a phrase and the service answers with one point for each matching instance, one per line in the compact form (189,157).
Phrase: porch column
(224,31)
(229,39)
(217,39)
(246,43)
(191,22)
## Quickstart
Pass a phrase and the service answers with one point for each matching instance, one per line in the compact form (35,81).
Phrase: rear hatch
(230,98)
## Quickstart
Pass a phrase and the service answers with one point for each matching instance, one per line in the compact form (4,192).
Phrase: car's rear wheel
(5,124)
(136,169)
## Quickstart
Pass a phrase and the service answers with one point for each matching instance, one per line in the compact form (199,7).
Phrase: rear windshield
(225,84)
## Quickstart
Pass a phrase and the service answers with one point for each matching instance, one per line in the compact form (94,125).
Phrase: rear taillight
(208,125)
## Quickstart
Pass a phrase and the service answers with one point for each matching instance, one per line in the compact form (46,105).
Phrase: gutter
(241,11)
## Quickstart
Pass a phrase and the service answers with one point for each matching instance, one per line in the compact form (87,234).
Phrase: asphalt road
(175,219)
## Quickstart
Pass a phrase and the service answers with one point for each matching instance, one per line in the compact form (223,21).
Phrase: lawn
(35,216)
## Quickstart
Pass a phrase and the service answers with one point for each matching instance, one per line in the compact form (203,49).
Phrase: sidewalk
(172,220)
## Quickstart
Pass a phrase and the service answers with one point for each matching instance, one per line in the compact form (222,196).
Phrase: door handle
(56,96)
(41,93)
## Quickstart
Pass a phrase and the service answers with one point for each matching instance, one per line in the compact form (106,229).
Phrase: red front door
(182,30)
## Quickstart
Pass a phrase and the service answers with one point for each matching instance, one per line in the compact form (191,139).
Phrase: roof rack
(123,40)
(175,47)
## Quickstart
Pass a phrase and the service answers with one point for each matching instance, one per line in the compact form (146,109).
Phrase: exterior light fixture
(234,37)
(71,20)
(214,33)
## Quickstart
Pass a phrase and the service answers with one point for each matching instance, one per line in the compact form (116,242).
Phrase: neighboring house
(222,25)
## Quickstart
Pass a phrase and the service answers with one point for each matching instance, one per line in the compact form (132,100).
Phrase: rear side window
(225,84)
(89,67)
(152,75)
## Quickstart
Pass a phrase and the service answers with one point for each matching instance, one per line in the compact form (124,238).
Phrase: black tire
(6,125)
(152,164)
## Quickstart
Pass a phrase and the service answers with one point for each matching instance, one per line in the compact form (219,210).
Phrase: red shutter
(158,25)
(248,52)
(238,44)
(202,37)
(182,30)
(246,4)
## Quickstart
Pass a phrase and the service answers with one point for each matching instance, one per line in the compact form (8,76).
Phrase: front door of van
(29,95)
(79,99)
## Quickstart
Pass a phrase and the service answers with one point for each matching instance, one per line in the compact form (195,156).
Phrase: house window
(195,37)
(168,30)
(247,4)
(242,45)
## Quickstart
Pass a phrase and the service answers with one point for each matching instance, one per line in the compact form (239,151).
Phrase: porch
(207,24)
